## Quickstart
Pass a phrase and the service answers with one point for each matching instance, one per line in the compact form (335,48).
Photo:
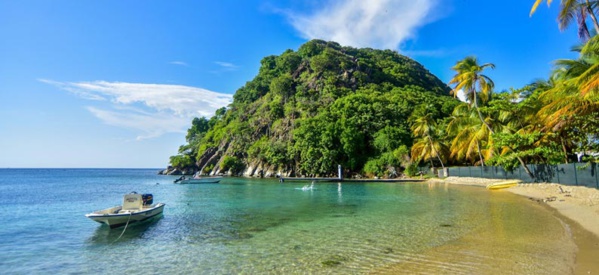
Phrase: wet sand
(577,206)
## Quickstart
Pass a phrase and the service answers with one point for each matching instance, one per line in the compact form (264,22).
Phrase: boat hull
(201,180)
(114,219)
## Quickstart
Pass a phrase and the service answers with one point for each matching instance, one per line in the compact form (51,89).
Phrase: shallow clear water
(263,226)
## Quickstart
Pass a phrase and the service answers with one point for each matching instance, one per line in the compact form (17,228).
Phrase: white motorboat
(192,180)
(135,208)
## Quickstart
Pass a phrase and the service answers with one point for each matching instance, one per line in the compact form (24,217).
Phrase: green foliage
(379,166)
(527,146)
(233,164)
(208,168)
(412,170)
(181,161)
(324,105)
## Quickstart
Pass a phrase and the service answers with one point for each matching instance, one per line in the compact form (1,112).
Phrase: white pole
(339,168)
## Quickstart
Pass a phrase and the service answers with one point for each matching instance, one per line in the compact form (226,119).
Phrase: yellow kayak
(502,184)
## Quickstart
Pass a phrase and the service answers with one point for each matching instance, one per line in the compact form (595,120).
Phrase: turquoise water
(244,226)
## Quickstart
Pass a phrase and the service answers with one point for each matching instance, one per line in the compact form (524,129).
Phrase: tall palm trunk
(475,103)
(480,155)
(435,151)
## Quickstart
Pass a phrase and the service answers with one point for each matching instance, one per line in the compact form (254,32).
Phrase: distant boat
(135,208)
(503,184)
(196,180)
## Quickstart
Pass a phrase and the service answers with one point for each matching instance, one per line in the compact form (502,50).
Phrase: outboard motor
(147,199)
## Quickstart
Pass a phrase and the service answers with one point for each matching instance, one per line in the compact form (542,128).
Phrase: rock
(175,172)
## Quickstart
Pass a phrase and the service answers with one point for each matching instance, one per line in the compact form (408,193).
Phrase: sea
(263,226)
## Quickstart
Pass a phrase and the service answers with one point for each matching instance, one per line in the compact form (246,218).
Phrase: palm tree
(589,79)
(571,9)
(475,85)
(428,146)
(471,139)
(576,92)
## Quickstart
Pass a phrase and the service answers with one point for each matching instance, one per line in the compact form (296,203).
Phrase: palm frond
(536,4)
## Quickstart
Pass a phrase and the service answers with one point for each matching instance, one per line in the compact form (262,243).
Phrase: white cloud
(70,88)
(377,23)
(180,63)
(149,125)
(227,65)
(152,109)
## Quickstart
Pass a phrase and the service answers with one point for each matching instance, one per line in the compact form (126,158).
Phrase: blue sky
(90,83)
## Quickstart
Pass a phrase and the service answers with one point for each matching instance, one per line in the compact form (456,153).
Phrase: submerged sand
(576,203)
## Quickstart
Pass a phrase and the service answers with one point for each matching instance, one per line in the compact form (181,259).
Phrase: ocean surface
(252,226)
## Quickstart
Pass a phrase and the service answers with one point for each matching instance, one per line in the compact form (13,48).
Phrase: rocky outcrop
(176,171)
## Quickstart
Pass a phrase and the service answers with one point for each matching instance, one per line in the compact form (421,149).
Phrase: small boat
(503,184)
(196,180)
(135,208)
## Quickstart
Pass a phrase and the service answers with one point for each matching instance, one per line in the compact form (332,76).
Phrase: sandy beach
(576,203)
(580,204)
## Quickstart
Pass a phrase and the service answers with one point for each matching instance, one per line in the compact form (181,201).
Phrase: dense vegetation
(308,111)
(374,111)
(548,122)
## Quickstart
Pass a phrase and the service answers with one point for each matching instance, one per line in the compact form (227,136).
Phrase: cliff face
(308,111)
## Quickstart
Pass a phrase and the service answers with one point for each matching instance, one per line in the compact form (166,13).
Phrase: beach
(578,204)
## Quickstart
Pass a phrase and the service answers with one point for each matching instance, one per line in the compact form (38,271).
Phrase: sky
(115,84)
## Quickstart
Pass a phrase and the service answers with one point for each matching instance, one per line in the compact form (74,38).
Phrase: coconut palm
(428,146)
(571,9)
(470,80)
(477,86)
(571,105)
(576,92)
(589,79)
(470,136)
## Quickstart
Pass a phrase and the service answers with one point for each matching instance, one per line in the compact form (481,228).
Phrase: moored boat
(195,180)
(135,208)
(503,184)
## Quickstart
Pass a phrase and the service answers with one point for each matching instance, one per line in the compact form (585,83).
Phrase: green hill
(309,110)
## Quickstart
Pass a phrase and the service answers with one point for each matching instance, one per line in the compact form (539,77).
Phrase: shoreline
(578,203)
(575,204)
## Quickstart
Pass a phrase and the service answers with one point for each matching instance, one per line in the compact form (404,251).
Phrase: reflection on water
(104,235)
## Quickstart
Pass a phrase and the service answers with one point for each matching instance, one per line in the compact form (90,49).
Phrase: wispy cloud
(75,90)
(149,109)
(179,63)
(148,125)
(226,65)
(377,24)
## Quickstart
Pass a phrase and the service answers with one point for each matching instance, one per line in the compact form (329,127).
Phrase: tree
(571,9)
(589,79)
(469,78)
(577,90)
(469,136)
(571,106)
(476,86)
(428,146)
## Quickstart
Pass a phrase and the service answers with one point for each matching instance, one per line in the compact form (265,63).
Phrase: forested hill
(309,110)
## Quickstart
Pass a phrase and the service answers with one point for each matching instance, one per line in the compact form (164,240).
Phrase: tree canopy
(307,111)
